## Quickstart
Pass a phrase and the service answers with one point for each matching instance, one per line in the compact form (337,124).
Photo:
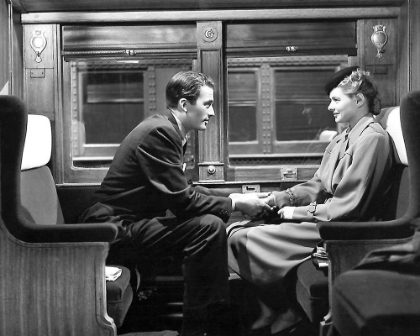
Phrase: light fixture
(38,43)
(379,38)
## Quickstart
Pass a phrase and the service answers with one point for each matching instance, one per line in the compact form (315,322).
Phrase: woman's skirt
(264,254)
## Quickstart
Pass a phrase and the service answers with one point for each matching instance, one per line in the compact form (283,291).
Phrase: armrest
(64,233)
(348,242)
(395,229)
(67,291)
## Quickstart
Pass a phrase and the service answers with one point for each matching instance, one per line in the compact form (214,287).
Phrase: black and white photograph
(209,168)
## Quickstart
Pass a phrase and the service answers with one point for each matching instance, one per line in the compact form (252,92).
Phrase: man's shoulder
(150,130)
(153,122)
(156,120)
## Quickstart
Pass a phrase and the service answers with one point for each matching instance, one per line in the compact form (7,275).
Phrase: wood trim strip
(208,15)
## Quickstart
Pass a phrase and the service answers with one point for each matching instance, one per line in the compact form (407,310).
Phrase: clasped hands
(259,205)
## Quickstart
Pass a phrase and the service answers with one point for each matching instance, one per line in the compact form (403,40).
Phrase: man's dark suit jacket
(146,179)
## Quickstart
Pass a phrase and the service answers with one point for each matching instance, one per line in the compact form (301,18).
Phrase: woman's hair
(360,81)
(186,84)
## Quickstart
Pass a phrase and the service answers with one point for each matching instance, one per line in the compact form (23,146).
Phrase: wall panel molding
(200,15)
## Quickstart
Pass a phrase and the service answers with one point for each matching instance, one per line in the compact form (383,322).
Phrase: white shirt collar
(181,128)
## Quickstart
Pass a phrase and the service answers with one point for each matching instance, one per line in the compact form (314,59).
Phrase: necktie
(184,147)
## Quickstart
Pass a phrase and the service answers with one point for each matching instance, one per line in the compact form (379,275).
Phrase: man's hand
(251,204)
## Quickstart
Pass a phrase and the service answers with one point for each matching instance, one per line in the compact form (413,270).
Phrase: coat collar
(358,129)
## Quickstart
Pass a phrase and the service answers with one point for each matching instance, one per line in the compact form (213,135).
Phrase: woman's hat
(338,77)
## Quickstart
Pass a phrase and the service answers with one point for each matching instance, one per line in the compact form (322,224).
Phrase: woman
(353,175)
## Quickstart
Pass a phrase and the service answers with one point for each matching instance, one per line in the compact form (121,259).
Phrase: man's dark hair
(186,84)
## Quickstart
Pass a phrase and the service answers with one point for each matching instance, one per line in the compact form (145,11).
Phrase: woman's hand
(286,212)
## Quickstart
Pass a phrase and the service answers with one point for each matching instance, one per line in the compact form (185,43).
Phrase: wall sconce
(379,38)
(38,43)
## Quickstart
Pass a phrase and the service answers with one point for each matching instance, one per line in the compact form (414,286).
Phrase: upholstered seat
(377,302)
(39,198)
(312,291)
(381,297)
(52,274)
(312,286)
(119,296)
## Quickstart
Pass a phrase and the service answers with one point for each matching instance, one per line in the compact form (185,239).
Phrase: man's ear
(183,104)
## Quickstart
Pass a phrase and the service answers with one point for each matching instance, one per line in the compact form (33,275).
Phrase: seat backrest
(38,191)
(410,122)
(327,135)
(390,119)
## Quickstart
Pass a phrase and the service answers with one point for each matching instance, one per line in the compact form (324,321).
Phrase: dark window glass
(242,88)
(301,83)
(242,123)
(111,122)
(112,105)
(302,121)
(301,109)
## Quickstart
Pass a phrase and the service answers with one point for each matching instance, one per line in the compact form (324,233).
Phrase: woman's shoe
(300,328)
(263,331)
(286,321)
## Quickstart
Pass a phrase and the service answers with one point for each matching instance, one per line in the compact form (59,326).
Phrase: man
(146,194)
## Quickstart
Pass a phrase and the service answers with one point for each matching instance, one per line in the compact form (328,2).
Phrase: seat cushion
(119,296)
(312,291)
(39,196)
(376,302)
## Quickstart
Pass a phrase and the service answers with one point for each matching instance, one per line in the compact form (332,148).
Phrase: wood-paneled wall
(4,47)
(398,71)
(414,24)
(40,80)
(17,55)
(11,44)
(383,69)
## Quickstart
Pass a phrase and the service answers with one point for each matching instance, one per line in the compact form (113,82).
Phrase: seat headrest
(38,142)
(327,135)
(390,120)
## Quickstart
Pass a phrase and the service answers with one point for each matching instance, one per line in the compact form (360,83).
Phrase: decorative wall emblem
(210,34)
(379,38)
(38,43)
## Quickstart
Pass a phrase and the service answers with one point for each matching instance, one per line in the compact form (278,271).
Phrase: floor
(153,333)
(157,309)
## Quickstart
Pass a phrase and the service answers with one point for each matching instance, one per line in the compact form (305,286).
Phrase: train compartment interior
(95,69)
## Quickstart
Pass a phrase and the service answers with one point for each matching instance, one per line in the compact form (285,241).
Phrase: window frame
(106,151)
(295,148)
(271,163)
(95,171)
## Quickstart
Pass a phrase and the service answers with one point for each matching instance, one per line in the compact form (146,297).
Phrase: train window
(110,103)
(106,100)
(278,110)
(114,77)
(301,114)
(243,97)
